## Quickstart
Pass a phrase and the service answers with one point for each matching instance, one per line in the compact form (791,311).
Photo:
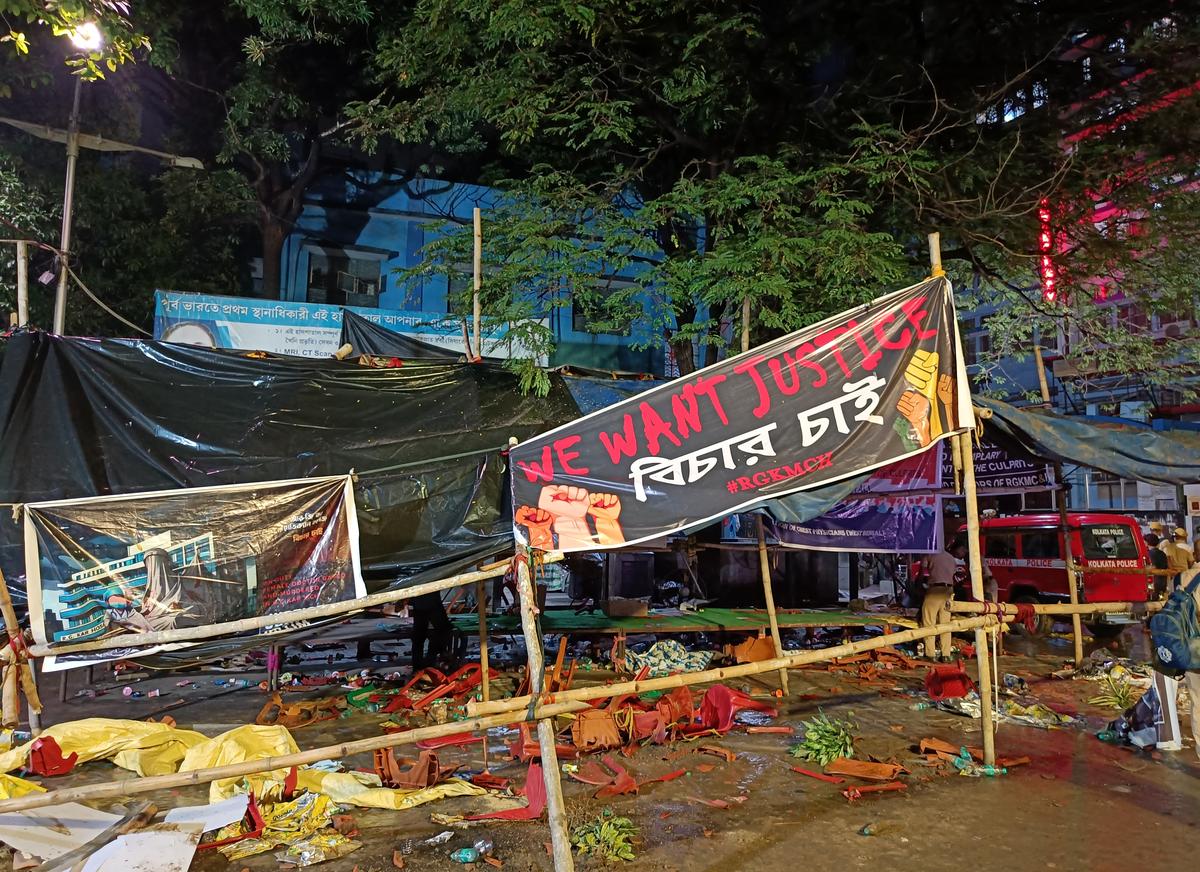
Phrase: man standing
(1179,555)
(939,592)
(427,610)
(1161,566)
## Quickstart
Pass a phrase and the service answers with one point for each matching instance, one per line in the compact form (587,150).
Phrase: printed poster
(152,562)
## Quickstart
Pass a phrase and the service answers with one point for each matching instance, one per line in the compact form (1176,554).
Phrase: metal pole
(22,284)
(1060,497)
(476,304)
(60,295)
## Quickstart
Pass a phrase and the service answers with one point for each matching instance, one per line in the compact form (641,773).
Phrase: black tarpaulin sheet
(1128,452)
(84,417)
(367,337)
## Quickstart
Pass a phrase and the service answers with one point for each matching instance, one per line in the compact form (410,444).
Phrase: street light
(87,38)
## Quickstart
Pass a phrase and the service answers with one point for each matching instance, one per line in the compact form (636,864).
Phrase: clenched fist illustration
(538,522)
(922,374)
(605,509)
(915,409)
(946,394)
(569,505)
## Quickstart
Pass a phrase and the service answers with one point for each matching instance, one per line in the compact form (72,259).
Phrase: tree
(716,143)
(282,102)
(122,38)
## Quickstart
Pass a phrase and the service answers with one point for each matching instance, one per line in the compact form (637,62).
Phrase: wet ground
(1080,804)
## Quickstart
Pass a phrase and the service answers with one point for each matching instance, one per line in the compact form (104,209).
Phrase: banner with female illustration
(153,562)
(851,394)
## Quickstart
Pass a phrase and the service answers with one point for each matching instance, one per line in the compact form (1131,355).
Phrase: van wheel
(1105,632)
(1043,625)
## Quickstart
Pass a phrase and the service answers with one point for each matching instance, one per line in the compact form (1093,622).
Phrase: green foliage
(133,234)
(123,38)
(608,837)
(25,213)
(825,740)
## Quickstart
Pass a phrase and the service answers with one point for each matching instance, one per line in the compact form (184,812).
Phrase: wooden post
(535,671)
(976,567)
(746,324)
(22,283)
(764,565)
(476,304)
(486,687)
(1060,497)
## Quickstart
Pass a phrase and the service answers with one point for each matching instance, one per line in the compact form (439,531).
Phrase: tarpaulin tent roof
(367,337)
(1128,452)
(84,417)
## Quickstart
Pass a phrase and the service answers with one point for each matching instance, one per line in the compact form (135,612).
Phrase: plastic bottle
(992,770)
(484,846)
(465,855)
(921,706)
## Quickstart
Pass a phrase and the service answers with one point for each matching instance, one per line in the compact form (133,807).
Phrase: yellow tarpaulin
(238,745)
(144,748)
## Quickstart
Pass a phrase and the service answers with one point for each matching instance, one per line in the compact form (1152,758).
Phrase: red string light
(1046,269)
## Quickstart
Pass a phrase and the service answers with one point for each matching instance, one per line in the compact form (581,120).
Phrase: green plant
(826,739)
(1114,693)
(606,836)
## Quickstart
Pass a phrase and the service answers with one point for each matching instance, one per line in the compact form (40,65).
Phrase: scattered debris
(855,793)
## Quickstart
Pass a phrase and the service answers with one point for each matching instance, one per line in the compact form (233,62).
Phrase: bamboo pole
(535,669)
(1010,610)
(764,565)
(976,568)
(131,786)
(24,677)
(566,702)
(187,634)
(975,558)
(742,670)
(477,278)
(22,283)
(484,667)
(1063,520)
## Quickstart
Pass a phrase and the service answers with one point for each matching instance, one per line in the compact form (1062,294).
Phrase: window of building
(588,317)
(458,286)
(344,277)
(977,342)
(1040,545)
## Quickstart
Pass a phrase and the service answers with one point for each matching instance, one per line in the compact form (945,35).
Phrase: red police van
(1025,554)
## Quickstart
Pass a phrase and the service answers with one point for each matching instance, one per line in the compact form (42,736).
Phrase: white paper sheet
(158,848)
(213,816)
(55,830)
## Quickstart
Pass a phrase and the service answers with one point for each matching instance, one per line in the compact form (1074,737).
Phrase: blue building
(359,228)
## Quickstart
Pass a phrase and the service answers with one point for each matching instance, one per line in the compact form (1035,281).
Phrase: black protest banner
(1001,471)
(851,394)
(153,562)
